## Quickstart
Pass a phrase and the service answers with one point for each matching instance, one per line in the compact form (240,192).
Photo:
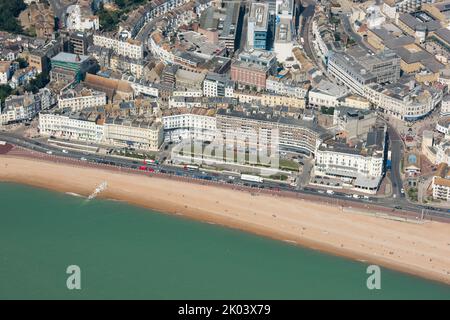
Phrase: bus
(252,178)
(191,167)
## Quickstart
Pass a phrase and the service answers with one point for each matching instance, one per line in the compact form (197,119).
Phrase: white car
(330,191)
(83,159)
(49,152)
(65,151)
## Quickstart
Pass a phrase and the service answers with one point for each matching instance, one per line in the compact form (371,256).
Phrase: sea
(61,246)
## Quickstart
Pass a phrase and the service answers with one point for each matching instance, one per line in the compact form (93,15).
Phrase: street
(396,157)
(397,207)
(349,31)
(306,15)
(60,7)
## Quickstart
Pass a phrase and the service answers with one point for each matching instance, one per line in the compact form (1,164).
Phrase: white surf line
(74,194)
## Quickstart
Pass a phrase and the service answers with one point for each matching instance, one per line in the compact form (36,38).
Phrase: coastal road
(397,207)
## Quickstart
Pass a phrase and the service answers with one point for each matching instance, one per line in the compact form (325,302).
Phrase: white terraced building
(406,101)
(445,106)
(185,102)
(196,123)
(128,47)
(26,106)
(441,188)
(143,134)
(90,126)
(142,86)
(288,88)
(377,78)
(74,126)
(157,8)
(326,94)
(361,165)
(80,98)
(391,8)
(443,152)
(158,50)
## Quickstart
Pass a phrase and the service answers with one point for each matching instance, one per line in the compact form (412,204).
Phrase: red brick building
(249,74)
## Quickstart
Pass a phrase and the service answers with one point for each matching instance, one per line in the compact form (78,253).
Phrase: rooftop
(79,90)
(267,115)
(372,146)
(259,15)
(70,57)
(224,20)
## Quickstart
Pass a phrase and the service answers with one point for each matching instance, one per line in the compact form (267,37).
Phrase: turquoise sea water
(133,253)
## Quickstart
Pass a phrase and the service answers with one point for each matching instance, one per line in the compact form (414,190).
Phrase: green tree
(37,83)
(109,19)
(9,11)
(22,62)
(325,110)
(5,91)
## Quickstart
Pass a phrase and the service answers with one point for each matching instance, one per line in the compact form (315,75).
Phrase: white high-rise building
(284,29)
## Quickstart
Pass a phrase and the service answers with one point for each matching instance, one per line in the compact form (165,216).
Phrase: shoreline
(419,249)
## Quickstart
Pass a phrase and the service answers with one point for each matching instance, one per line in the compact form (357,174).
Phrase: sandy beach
(422,249)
